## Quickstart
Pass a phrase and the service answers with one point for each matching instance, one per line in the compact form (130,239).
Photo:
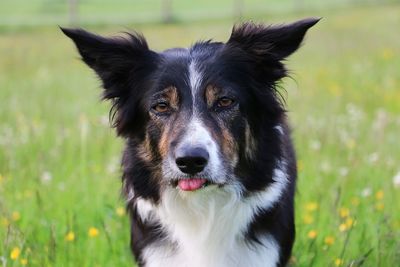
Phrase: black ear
(116,60)
(123,64)
(276,42)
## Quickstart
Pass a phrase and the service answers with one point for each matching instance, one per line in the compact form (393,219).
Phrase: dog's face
(194,121)
(196,117)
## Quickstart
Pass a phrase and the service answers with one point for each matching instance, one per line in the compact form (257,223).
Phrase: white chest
(240,255)
(207,229)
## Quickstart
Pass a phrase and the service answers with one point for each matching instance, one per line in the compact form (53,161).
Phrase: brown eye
(161,107)
(225,102)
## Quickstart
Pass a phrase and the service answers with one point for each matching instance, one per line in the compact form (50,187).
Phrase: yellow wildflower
(355,201)
(379,206)
(351,143)
(329,240)
(312,234)
(338,262)
(349,222)
(342,227)
(387,54)
(5,222)
(120,211)
(344,212)
(311,206)
(15,252)
(15,216)
(308,219)
(335,90)
(70,236)
(379,195)
(24,262)
(93,232)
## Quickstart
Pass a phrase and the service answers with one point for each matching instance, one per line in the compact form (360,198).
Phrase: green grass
(59,161)
(17,13)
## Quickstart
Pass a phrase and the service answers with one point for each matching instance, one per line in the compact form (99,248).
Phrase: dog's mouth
(191,184)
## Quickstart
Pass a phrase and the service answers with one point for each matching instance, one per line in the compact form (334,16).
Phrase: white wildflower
(343,171)
(315,145)
(374,157)
(396,180)
(46,177)
(104,121)
(366,192)
(84,126)
(355,113)
(325,167)
(112,166)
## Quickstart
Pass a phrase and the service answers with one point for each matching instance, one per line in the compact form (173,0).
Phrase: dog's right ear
(116,60)
(122,63)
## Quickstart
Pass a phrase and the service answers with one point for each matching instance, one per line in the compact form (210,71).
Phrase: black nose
(191,160)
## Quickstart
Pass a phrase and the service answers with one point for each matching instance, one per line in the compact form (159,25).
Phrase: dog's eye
(225,102)
(161,107)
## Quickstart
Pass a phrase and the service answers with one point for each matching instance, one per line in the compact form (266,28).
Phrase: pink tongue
(191,184)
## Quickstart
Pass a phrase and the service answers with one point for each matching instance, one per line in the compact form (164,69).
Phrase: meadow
(60,202)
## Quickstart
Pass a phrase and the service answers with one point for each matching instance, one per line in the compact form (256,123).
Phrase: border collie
(209,168)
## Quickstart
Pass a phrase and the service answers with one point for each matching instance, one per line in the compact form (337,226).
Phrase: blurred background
(122,12)
(59,160)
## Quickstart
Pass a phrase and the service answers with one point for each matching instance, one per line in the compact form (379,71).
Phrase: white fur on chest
(266,255)
(207,227)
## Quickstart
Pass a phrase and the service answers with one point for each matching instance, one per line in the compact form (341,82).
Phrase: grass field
(120,12)
(59,161)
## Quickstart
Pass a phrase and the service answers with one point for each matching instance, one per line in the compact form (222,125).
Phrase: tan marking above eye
(171,94)
(211,94)
(214,96)
(168,100)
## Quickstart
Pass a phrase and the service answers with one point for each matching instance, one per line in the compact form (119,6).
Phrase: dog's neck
(207,228)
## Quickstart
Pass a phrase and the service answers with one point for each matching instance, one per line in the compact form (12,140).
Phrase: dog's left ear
(272,42)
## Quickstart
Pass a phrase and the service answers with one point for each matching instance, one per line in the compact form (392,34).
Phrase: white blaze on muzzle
(198,136)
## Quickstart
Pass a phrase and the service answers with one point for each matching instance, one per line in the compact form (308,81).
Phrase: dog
(209,169)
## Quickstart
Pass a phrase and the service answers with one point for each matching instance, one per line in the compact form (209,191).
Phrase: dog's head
(209,115)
